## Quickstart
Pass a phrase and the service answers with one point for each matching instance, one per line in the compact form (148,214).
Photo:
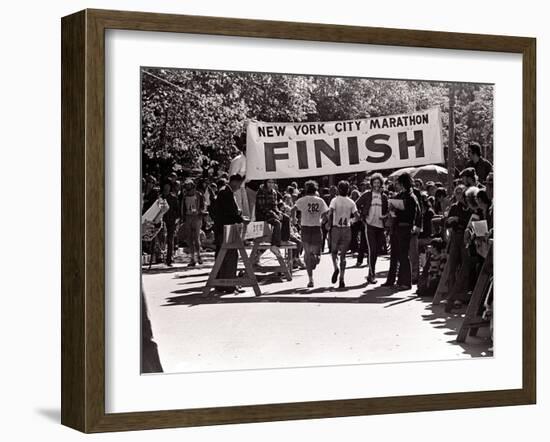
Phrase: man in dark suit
(226,212)
(403,225)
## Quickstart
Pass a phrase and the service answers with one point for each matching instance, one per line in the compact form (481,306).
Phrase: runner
(313,208)
(342,210)
(373,205)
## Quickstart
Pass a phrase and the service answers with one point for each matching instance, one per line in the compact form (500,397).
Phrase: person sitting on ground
(343,211)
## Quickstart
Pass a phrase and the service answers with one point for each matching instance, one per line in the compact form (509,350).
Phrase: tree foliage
(189,117)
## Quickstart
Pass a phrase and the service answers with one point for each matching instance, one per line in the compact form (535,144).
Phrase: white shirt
(238,165)
(375,211)
(344,209)
(312,207)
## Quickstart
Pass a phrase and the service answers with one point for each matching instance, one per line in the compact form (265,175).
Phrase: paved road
(293,326)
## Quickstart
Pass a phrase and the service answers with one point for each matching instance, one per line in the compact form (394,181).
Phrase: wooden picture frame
(83,220)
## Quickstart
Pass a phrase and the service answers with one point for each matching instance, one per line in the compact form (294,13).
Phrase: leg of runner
(342,268)
(334,253)
(344,246)
(310,261)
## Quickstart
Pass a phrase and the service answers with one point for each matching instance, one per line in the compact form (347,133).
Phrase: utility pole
(451,147)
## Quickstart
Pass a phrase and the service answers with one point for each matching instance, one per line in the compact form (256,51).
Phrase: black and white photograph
(235,221)
(292,220)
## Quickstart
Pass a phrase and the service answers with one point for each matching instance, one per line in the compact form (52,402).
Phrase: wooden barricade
(484,284)
(233,239)
(263,243)
(285,264)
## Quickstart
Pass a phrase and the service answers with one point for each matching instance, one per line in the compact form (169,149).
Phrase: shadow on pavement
(192,296)
(477,346)
(435,316)
(192,275)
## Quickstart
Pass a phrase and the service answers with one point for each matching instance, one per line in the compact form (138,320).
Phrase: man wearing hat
(226,213)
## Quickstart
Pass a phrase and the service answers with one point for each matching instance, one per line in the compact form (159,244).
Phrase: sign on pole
(254,230)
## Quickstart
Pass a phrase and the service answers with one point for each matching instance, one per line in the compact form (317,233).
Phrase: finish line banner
(290,150)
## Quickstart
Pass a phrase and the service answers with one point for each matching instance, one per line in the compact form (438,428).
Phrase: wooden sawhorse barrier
(285,264)
(233,239)
(484,284)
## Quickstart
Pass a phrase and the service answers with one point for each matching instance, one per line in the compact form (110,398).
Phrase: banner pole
(451,150)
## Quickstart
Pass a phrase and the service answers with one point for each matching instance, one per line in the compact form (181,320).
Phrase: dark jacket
(427,223)
(364,202)
(463,213)
(225,208)
(411,209)
(483,168)
(173,213)
(418,218)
